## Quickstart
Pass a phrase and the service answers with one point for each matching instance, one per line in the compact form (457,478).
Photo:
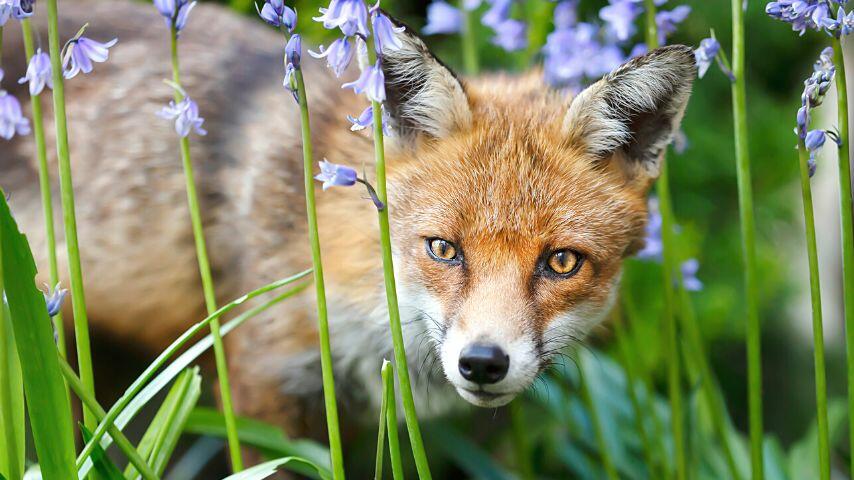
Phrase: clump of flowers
(12,120)
(803,15)
(815,89)
(510,34)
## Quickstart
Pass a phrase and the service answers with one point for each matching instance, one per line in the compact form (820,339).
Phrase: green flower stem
(817,327)
(391,421)
(669,264)
(418,452)
(748,238)
(381,428)
(335,450)
(847,221)
(521,445)
(604,450)
(207,280)
(121,440)
(69,217)
(44,185)
(467,36)
(141,381)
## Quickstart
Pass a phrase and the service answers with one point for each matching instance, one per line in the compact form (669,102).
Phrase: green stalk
(847,221)
(335,450)
(669,264)
(44,185)
(12,426)
(467,36)
(207,279)
(748,233)
(817,328)
(604,450)
(378,463)
(540,25)
(391,421)
(121,440)
(418,452)
(520,440)
(69,217)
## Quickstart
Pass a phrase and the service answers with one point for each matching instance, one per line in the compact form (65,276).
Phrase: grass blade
(12,446)
(378,463)
(46,396)
(391,421)
(264,470)
(103,465)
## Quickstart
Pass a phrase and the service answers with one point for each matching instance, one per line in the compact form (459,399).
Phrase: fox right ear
(423,96)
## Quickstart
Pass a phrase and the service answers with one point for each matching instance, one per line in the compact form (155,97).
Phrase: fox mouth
(485,399)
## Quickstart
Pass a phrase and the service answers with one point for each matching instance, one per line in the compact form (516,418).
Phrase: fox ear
(633,112)
(423,96)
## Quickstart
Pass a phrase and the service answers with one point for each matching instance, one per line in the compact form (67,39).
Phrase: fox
(513,206)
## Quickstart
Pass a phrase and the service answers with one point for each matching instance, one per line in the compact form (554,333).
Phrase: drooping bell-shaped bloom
(385,33)
(18,9)
(371,82)
(351,16)
(277,14)
(186,116)
(337,56)
(335,175)
(54,299)
(442,18)
(12,120)
(82,52)
(366,119)
(38,73)
(293,54)
(175,12)
(706,54)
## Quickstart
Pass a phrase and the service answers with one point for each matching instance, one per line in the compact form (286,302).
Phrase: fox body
(512,206)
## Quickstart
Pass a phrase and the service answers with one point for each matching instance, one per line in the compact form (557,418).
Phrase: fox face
(513,207)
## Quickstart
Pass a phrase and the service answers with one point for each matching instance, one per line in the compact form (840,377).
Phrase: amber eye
(564,262)
(442,250)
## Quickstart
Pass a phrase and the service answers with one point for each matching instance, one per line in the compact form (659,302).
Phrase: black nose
(484,363)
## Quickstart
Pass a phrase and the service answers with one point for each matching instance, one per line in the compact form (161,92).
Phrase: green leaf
(158,442)
(268,439)
(12,433)
(803,456)
(103,465)
(266,469)
(46,395)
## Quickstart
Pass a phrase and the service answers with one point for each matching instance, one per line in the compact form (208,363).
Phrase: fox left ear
(633,112)
(423,96)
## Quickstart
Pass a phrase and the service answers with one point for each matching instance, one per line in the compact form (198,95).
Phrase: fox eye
(564,262)
(442,250)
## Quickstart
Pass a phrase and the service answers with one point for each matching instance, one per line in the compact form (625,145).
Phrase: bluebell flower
(668,20)
(805,14)
(511,35)
(54,299)
(334,175)
(575,53)
(620,16)
(819,83)
(385,33)
(174,12)
(366,119)
(277,14)
(471,4)
(12,120)
(846,21)
(689,270)
(338,55)
(499,11)
(706,54)
(18,9)
(653,245)
(186,116)
(80,54)
(351,16)
(371,82)
(293,54)
(803,121)
(442,18)
(38,73)
(566,14)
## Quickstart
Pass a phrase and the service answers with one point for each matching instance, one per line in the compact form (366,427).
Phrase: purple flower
(442,18)
(818,84)
(54,299)
(706,54)
(351,16)
(38,73)
(511,35)
(653,246)
(566,14)
(385,33)
(668,20)
(498,12)
(471,4)
(19,9)
(620,16)
(575,53)
(82,52)
(371,82)
(12,120)
(803,119)
(806,14)
(338,55)
(846,22)
(366,119)
(276,13)
(186,116)
(175,12)
(689,270)
(334,175)
(293,52)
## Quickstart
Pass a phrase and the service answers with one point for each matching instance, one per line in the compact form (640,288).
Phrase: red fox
(512,206)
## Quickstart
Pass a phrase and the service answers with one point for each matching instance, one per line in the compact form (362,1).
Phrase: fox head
(514,206)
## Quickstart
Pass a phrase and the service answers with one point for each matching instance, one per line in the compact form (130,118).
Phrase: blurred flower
(82,52)
(653,246)
(471,4)
(706,54)
(566,14)
(371,82)
(689,270)
(12,120)
(668,20)
(499,11)
(54,299)
(511,35)
(620,16)
(575,53)
(277,14)
(442,18)
(338,55)
(846,22)
(351,16)
(186,116)
(385,33)
(38,73)
(175,12)
(825,61)
(334,175)
(18,9)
